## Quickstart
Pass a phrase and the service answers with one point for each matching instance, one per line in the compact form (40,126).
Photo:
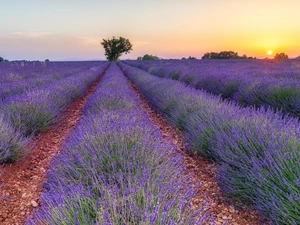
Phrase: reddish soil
(23,179)
(202,171)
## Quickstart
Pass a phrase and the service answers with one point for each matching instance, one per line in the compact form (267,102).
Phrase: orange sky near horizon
(61,30)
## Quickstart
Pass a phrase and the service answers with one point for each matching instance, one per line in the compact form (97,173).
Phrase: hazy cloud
(33,34)
(90,40)
(137,44)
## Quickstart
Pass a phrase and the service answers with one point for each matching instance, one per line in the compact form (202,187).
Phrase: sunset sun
(270,52)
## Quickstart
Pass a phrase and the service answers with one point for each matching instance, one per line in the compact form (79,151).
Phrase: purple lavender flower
(257,149)
(114,169)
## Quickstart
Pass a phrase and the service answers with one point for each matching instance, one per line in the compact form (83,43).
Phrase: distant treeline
(147,57)
(208,55)
(22,60)
(225,55)
(3,60)
(217,55)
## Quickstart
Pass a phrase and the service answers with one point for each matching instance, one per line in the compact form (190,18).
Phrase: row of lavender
(289,68)
(16,80)
(19,70)
(25,114)
(258,83)
(114,168)
(13,71)
(258,151)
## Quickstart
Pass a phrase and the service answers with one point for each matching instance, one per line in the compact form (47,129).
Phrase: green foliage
(188,79)
(191,57)
(281,56)
(148,57)
(211,55)
(16,145)
(281,94)
(175,75)
(244,56)
(28,117)
(3,60)
(229,89)
(224,55)
(115,47)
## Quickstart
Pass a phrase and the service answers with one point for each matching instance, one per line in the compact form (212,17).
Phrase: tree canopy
(148,57)
(224,55)
(3,60)
(115,47)
(281,56)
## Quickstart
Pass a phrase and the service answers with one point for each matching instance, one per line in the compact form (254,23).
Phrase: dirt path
(23,180)
(203,171)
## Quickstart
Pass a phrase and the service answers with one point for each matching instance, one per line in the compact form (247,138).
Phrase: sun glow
(270,52)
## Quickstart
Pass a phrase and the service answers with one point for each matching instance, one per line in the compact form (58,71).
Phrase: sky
(73,29)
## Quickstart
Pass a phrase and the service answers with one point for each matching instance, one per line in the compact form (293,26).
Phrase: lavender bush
(17,71)
(16,79)
(114,168)
(12,142)
(259,83)
(37,108)
(258,150)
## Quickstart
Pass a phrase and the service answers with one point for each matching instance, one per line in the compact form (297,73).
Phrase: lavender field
(259,83)
(32,96)
(114,167)
(258,150)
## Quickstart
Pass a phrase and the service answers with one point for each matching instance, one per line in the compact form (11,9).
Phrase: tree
(244,56)
(148,57)
(47,60)
(228,55)
(191,57)
(115,47)
(224,55)
(210,55)
(3,60)
(281,56)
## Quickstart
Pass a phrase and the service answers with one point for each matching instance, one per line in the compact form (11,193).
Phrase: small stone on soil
(34,203)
